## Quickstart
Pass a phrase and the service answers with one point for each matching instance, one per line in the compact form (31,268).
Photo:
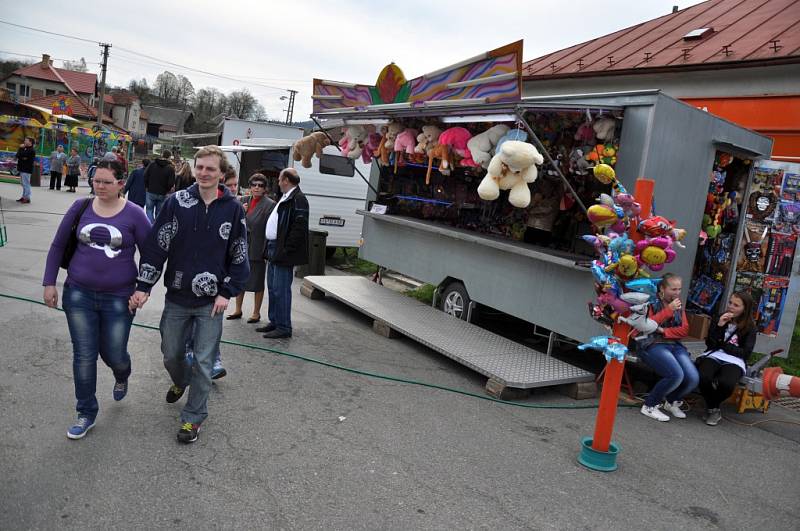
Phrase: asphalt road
(294,445)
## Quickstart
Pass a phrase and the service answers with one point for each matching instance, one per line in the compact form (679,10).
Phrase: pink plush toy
(371,147)
(406,141)
(456,139)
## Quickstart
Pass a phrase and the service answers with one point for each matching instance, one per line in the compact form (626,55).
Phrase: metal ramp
(506,363)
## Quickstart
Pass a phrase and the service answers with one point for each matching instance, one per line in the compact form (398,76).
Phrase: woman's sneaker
(188,432)
(80,428)
(654,413)
(120,390)
(675,409)
(714,416)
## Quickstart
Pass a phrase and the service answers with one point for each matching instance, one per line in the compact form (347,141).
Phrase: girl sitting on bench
(730,342)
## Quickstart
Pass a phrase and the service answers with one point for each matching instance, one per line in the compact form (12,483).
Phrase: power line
(39,57)
(49,32)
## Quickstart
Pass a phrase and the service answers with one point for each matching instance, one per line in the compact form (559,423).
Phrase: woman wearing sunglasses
(257,206)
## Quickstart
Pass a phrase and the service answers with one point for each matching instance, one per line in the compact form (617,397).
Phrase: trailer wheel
(455,300)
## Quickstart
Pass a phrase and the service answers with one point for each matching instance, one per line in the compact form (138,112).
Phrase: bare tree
(241,104)
(75,66)
(166,87)
(140,88)
(185,90)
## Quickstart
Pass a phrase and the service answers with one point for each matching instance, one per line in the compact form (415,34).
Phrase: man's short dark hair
(166,154)
(145,163)
(291,175)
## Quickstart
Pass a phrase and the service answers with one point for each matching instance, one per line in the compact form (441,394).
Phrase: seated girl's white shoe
(675,409)
(654,413)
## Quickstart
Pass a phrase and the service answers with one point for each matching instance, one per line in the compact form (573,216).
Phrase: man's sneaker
(675,409)
(218,371)
(188,432)
(120,390)
(654,413)
(175,393)
(714,416)
(80,428)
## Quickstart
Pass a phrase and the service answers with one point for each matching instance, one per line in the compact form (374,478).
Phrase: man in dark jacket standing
(26,155)
(201,235)
(134,186)
(159,178)
(287,246)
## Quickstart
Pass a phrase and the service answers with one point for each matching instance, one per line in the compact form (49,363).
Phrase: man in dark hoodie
(26,156)
(159,178)
(201,234)
(134,186)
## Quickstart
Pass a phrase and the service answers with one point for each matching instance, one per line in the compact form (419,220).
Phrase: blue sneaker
(190,358)
(218,371)
(80,428)
(120,390)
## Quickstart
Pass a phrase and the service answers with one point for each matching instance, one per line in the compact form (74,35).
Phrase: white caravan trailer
(332,185)
(237,132)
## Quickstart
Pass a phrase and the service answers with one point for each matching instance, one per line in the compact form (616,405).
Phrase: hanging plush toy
(392,130)
(604,128)
(514,134)
(308,146)
(355,135)
(384,149)
(512,168)
(371,147)
(481,146)
(441,152)
(427,139)
(405,143)
(456,139)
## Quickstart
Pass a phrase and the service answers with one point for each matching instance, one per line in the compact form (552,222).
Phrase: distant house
(126,110)
(43,79)
(163,122)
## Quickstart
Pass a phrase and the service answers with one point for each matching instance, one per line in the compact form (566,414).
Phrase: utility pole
(104,67)
(290,108)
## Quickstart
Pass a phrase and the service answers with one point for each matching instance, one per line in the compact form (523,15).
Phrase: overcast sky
(284,44)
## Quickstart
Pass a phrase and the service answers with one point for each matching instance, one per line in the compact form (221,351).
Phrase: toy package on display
(771,305)
(704,293)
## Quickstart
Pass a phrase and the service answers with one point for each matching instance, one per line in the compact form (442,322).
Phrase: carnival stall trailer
(432,225)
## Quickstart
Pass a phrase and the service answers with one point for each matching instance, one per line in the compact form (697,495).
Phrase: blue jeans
(99,323)
(189,342)
(176,324)
(25,181)
(678,374)
(152,205)
(279,288)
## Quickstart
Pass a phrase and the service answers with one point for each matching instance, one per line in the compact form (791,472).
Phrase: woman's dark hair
(258,177)
(114,166)
(745,321)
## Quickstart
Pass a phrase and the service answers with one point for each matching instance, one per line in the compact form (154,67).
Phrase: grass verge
(347,259)
(423,293)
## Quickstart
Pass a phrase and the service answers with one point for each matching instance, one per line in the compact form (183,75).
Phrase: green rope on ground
(368,374)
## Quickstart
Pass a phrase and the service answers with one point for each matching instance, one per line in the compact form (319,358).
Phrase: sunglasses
(258,185)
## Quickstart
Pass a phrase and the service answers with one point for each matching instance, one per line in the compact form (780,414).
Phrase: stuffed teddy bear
(481,145)
(383,148)
(406,141)
(427,139)
(355,135)
(513,134)
(371,147)
(456,139)
(304,148)
(512,168)
(604,128)
(392,131)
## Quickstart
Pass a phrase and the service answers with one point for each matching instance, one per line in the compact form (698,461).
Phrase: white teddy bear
(427,139)
(512,168)
(356,135)
(481,145)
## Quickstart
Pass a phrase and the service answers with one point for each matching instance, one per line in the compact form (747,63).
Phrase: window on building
(49,92)
(24,91)
(11,86)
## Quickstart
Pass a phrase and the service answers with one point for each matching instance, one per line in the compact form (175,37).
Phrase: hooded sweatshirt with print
(205,248)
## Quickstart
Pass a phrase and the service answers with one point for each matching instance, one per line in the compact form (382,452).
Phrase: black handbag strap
(80,215)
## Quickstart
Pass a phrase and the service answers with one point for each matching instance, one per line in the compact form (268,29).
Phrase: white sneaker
(675,409)
(654,413)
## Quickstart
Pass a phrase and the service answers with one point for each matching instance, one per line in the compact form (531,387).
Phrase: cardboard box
(698,325)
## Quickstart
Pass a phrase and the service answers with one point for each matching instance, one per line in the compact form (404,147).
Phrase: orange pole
(607,410)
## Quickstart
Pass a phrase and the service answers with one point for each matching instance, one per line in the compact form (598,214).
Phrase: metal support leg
(470,309)
(551,342)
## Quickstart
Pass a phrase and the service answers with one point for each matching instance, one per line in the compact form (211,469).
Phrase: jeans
(176,323)
(25,181)
(153,204)
(678,374)
(55,180)
(189,342)
(98,323)
(279,287)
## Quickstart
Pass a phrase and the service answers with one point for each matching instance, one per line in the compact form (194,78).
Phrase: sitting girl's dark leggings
(724,375)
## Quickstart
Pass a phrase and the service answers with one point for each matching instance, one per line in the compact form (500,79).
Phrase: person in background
(287,246)
(73,170)
(159,178)
(667,355)
(134,187)
(730,342)
(90,174)
(100,279)
(123,160)
(26,156)
(231,181)
(111,155)
(57,161)
(183,177)
(257,206)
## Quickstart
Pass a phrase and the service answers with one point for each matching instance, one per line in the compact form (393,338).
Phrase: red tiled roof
(168,128)
(143,115)
(80,109)
(744,31)
(109,98)
(81,82)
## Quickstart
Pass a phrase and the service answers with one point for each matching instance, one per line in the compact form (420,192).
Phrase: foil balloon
(655,252)
(610,346)
(656,226)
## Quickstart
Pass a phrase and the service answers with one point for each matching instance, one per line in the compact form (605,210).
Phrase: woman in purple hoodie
(101,277)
